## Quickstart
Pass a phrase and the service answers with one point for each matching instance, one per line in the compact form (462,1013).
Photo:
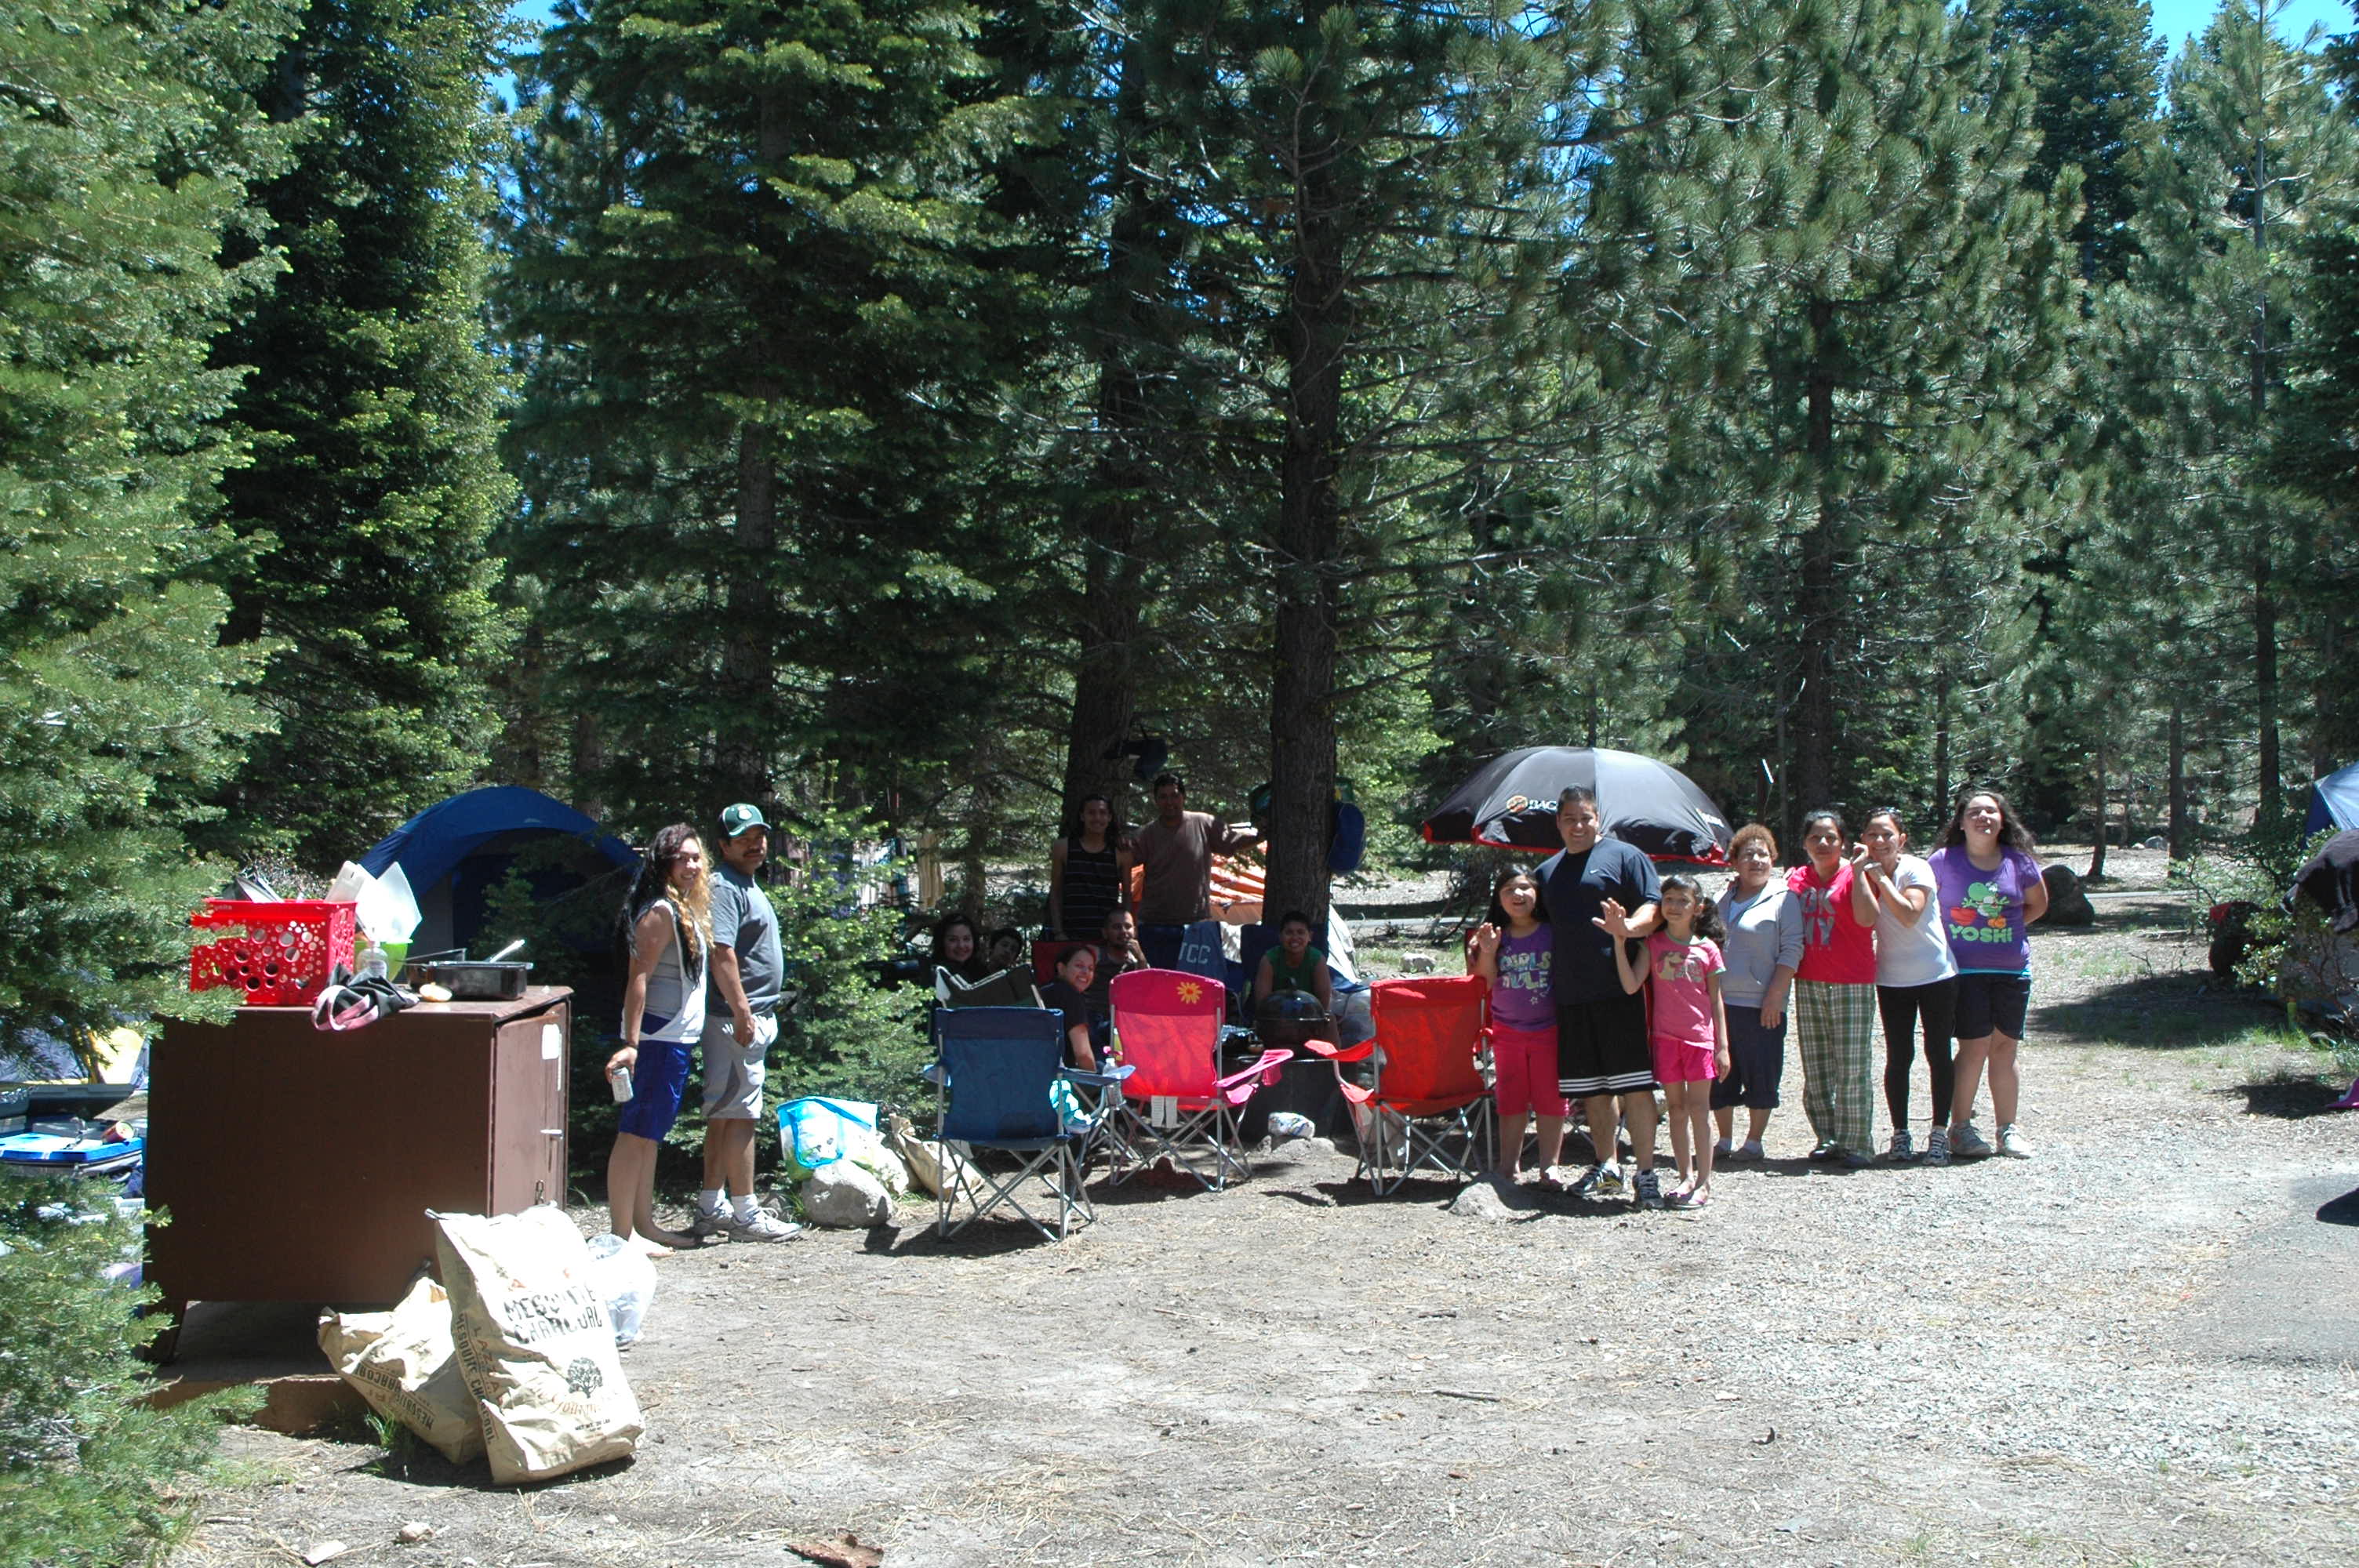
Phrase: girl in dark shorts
(1989,892)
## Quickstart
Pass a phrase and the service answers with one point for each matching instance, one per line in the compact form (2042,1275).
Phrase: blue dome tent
(2335,802)
(455,853)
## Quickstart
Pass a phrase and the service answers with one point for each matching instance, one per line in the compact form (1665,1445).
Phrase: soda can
(619,1080)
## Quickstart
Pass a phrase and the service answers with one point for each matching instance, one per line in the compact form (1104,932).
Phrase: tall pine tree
(130,144)
(375,482)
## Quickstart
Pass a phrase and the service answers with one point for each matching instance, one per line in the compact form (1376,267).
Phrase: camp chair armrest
(1275,1056)
(1096,1079)
(1340,1053)
(1358,1094)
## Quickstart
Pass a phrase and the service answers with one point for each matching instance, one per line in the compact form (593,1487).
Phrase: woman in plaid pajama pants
(1834,992)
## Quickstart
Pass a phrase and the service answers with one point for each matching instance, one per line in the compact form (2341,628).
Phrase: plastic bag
(627,1284)
(405,1364)
(535,1343)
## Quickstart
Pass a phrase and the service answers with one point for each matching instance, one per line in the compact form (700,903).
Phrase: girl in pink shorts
(1513,949)
(1687,1026)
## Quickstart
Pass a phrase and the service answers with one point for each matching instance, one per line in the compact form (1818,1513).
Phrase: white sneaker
(2014,1145)
(1965,1143)
(1903,1149)
(762,1226)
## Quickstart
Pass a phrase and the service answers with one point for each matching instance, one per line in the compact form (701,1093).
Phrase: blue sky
(2173,20)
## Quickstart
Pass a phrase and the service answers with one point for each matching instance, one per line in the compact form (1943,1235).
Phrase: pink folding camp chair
(1176,1104)
(1427,1111)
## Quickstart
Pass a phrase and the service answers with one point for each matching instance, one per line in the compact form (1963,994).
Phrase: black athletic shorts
(1991,1004)
(1600,1048)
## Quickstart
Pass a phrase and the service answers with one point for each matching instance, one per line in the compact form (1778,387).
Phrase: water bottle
(372,963)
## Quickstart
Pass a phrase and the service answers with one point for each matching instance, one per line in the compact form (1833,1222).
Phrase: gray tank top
(675,994)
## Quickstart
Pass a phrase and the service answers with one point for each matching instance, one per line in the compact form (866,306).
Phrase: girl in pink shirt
(1687,1025)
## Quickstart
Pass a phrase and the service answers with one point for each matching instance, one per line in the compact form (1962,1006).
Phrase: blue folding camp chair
(991,1086)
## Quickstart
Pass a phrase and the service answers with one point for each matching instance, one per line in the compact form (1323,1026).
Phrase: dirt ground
(2137,1347)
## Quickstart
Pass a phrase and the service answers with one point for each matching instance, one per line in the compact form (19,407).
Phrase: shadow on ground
(2289,1098)
(2164,1013)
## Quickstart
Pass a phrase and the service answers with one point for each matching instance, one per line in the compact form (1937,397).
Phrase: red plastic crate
(282,953)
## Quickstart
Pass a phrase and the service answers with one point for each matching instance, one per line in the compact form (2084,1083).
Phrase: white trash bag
(627,1284)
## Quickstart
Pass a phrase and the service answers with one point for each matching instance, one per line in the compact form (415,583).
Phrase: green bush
(2285,951)
(89,1473)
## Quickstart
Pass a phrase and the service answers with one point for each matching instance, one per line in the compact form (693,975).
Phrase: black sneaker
(1650,1190)
(1828,1153)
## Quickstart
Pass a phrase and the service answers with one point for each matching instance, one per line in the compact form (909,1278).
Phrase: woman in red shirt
(1834,992)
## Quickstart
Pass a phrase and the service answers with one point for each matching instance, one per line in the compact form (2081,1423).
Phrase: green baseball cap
(740,816)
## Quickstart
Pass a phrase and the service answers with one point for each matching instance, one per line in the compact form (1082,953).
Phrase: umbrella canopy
(1510,804)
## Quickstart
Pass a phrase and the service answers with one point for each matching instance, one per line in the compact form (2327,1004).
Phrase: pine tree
(2096,69)
(2256,156)
(375,482)
(1856,478)
(130,147)
(755,285)
(2316,449)
(1385,207)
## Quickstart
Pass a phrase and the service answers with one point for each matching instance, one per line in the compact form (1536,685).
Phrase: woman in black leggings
(1916,981)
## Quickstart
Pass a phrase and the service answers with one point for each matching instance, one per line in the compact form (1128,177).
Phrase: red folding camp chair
(1427,1111)
(1166,1030)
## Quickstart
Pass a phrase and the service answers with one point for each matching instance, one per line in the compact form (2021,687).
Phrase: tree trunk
(2097,855)
(1112,525)
(1941,802)
(2265,684)
(742,752)
(1817,603)
(2182,841)
(748,678)
(1313,332)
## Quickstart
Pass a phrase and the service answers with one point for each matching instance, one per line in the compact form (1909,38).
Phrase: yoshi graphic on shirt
(1980,914)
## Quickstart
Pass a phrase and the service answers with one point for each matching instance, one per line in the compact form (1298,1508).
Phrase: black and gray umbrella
(1510,804)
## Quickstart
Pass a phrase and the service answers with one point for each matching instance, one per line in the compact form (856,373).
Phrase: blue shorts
(656,1085)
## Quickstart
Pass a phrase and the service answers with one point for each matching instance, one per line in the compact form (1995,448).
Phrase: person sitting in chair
(1294,965)
(1076,966)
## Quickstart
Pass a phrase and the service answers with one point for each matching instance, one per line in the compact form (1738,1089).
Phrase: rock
(322,1551)
(413,1532)
(2068,902)
(1483,1200)
(846,1197)
(1416,964)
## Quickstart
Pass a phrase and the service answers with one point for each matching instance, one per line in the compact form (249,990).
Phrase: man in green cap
(741,1021)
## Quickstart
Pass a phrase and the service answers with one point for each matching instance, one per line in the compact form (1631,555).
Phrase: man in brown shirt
(1177,851)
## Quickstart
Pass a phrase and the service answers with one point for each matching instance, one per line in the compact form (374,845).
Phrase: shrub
(89,1473)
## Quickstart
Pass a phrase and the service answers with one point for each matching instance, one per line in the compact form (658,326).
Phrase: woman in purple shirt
(1989,892)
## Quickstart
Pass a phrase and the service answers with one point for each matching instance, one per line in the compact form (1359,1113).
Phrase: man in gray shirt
(741,1021)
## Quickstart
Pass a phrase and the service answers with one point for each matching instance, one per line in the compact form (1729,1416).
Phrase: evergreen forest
(903,413)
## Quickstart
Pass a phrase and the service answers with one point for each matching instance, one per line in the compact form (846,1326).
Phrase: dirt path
(2136,1348)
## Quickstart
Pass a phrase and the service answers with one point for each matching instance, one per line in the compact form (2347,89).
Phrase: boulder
(2068,902)
(844,1197)
(1417,963)
(1489,1197)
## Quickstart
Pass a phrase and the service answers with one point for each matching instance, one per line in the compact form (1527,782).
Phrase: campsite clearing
(2137,1347)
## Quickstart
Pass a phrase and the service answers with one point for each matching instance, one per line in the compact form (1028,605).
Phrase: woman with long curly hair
(665,937)
(1990,891)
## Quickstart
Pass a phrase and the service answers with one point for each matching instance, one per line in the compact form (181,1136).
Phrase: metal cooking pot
(483,980)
